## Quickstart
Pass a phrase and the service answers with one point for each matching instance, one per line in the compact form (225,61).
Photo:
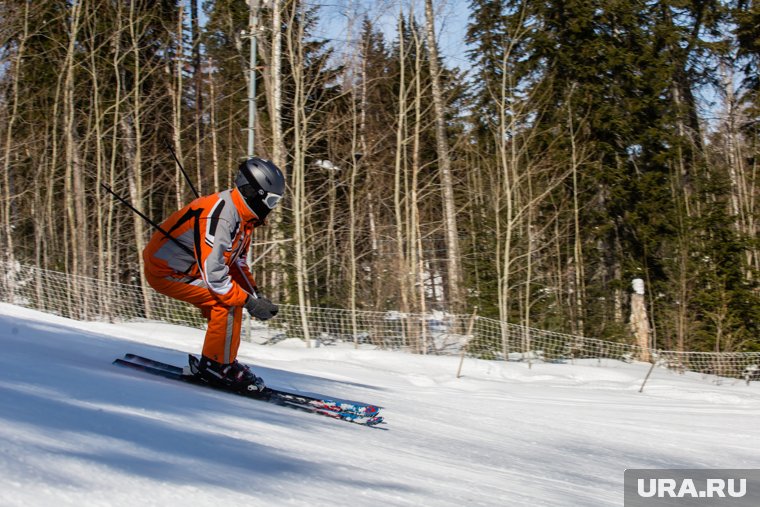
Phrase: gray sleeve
(217,231)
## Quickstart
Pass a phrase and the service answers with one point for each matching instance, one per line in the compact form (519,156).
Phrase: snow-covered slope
(75,430)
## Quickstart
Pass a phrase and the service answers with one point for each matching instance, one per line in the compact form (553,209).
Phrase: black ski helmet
(262,185)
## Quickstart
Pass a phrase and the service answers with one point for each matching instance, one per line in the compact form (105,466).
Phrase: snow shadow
(61,401)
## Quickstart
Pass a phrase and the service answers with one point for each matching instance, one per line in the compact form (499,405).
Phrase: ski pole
(151,222)
(187,178)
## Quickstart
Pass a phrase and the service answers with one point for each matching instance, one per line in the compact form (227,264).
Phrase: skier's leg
(194,291)
(223,332)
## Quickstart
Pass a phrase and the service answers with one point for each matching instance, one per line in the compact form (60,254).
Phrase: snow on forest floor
(76,430)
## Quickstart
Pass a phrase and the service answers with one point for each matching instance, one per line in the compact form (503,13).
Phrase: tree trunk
(454,278)
(280,276)
(175,92)
(133,151)
(639,321)
(74,191)
(578,278)
(295,54)
(417,257)
(115,131)
(402,270)
(8,196)
(214,136)
(197,94)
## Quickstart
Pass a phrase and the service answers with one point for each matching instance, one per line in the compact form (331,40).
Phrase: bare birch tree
(453,255)
(296,58)
(11,117)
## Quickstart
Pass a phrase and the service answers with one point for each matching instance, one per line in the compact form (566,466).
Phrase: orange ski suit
(217,229)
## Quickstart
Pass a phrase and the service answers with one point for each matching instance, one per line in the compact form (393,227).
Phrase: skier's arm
(257,305)
(242,275)
(245,278)
(215,239)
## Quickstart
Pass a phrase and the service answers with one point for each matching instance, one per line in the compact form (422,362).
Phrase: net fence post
(654,362)
(470,326)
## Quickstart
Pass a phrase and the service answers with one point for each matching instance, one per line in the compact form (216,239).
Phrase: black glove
(261,308)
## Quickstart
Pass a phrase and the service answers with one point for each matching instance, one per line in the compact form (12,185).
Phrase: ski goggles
(270,200)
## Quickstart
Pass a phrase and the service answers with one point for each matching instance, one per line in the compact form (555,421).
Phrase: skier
(217,230)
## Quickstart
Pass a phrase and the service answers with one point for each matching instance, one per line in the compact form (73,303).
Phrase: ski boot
(233,376)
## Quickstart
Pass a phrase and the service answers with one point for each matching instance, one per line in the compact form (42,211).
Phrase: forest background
(571,147)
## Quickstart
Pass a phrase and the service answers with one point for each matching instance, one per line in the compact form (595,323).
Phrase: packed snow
(77,430)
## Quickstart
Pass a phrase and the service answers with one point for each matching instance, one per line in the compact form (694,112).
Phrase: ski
(358,413)
(359,409)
